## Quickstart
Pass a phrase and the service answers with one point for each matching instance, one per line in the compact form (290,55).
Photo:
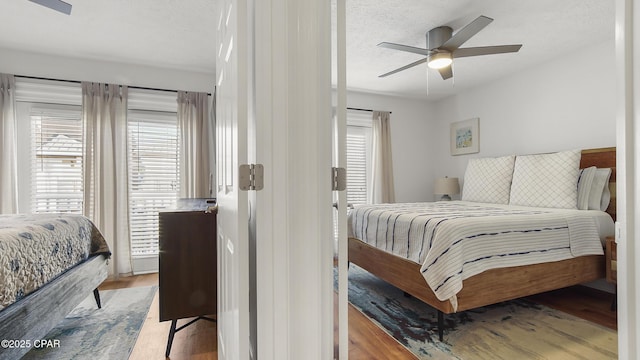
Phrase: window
(49,132)
(56,166)
(153,174)
(50,157)
(358,157)
(153,170)
(359,130)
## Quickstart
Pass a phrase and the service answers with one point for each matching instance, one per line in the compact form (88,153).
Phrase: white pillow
(585,183)
(546,180)
(488,180)
(599,196)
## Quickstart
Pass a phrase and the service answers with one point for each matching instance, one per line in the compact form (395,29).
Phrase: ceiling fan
(57,5)
(442,47)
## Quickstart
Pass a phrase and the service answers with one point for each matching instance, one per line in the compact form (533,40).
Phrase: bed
(49,263)
(496,284)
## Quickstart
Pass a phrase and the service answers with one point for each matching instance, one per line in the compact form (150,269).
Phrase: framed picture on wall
(465,138)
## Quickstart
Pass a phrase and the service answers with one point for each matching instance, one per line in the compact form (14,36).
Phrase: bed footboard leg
(440,325)
(96,295)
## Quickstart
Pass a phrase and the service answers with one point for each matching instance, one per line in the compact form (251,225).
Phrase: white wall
(566,103)
(411,145)
(68,68)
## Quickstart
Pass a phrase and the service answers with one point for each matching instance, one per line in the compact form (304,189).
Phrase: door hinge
(251,177)
(338,179)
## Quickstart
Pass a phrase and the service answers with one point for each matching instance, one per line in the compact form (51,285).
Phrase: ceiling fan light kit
(443,46)
(439,60)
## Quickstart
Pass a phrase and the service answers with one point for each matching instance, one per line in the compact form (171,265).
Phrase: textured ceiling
(179,34)
(546,28)
(176,34)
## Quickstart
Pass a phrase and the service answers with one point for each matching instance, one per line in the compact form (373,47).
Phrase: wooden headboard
(603,158)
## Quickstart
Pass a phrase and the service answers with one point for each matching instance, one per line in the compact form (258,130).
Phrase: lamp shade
(447,186)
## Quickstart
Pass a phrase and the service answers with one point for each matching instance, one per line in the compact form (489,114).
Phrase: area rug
(517,329)
(107,333)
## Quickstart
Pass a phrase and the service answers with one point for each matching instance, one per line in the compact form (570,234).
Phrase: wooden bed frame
(32,317)
(496,285)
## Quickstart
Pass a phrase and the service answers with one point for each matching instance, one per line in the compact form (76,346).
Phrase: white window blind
(49,145)
(358,156)
(56,167)
(153,172)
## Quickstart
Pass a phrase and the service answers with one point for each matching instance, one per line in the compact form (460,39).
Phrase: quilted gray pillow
(488,180)
(600,195)
(546,180)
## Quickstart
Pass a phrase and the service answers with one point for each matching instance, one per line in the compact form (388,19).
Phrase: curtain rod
(358,109)
(79,82)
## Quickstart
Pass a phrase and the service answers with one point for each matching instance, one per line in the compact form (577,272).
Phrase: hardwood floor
(197,341)
(366,340)
(581,301)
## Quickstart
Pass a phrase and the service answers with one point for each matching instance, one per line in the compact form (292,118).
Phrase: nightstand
(611,264)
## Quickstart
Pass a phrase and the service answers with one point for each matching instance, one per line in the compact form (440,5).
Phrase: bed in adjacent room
(527,225)
(48,264)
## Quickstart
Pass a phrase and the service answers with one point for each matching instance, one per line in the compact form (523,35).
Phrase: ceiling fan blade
(446,72)
(466,33)
(57,5)
(405,67)
(406,48)
(486,50)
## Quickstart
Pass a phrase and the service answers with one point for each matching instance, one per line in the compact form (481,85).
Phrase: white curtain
(104,111)
(382,188)
(8,146)
(196,173)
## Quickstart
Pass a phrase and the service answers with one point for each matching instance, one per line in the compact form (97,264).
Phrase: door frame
(294,247)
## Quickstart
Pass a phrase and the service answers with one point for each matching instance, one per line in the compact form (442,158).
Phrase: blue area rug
(517,329)
(107,333)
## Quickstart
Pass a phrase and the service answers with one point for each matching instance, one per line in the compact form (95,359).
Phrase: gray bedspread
(35,249)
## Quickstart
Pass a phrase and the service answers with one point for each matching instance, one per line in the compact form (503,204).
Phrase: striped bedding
(35,249)
(454,240)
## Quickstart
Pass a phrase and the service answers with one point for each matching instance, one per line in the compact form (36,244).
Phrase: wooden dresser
(187,262)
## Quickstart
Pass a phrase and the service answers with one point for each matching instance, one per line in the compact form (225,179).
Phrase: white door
(231,143)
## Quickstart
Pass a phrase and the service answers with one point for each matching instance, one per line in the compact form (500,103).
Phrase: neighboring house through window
(56,158)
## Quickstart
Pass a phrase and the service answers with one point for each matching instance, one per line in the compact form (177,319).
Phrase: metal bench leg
(96,295)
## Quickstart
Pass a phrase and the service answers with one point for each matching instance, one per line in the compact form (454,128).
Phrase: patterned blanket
(456,240)
(35,249)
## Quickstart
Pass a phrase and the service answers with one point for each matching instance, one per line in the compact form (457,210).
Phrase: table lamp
(447,186)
